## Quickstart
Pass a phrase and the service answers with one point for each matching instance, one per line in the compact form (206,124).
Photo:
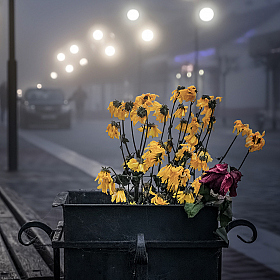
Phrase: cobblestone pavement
(41,176)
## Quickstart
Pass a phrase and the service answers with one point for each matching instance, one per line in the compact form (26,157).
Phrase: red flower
(222,179)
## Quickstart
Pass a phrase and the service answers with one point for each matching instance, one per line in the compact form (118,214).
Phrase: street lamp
(133,14)
(83,61)
(69,68)
(206,14)
(74,49)
(147,35)
(60,57)
(53,75)
(110,51)
(97,35)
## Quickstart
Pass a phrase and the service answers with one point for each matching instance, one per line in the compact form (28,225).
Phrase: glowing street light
(60,57)
(97,35)
(39,86)
(53,75)
(133,14)
(69,68)
(147,35)
(110,51)
(206,14)
(74,49)
(178,76)
(83,61)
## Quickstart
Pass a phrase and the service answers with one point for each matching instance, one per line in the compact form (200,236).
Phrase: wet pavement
(41,176)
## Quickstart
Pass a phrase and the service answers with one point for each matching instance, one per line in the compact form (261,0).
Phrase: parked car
(44,106)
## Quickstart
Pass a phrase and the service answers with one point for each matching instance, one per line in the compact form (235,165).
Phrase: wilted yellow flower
(255,141)
(191,139)
(199,161)
(154,155)
(152,130)
(113,130)
(185,148)
(114,107)
(182,126)
(184,197)
(181,111)
(139,114)
(118,196)
(184,94)
(173,176)
(196,185)
(194,126)
(145,98)
(158,199)
(137,165)
(105,180)
(161,113)
(243,128)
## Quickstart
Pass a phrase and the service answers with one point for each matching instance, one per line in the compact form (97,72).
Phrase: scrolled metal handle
(241,222)
(36,224)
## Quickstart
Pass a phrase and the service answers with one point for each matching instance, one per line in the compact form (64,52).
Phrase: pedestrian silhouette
(79,97)
(3,101)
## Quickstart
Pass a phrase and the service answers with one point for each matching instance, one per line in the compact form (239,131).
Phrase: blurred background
(235,54)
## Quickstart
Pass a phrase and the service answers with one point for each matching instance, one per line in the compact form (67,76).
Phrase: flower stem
(228,149)
(132,134)
(243,160)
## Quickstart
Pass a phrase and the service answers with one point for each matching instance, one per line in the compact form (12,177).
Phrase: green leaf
(221,232)
(225,215)
(193,208)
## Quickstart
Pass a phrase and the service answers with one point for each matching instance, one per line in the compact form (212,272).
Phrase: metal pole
(12,94)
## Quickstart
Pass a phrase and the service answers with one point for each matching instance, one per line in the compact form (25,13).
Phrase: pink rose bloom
(220,180)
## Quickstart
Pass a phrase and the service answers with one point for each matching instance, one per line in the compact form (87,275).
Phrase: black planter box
(115,241)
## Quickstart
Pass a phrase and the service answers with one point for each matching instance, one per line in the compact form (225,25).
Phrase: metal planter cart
(109,241)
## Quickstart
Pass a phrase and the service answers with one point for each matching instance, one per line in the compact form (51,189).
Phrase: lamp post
(12,94)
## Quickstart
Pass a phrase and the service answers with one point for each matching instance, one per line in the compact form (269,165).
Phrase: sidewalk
(41,176)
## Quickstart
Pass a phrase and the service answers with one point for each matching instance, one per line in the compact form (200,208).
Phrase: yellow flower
(208,104)
(243,128)
(154,155)
(158,199)
(105,180)
(161,113)
(255,141)
(152,130)
(199,161)
(191,139)
(196,185)
(174,176)
(145,98)
(137,165)
(181,111)
(182,126)
(188,94)
(184,197)
(113,130)
(185,149)
(114,107)
(139,114)
(118,196)
(194,126)
(184,94)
